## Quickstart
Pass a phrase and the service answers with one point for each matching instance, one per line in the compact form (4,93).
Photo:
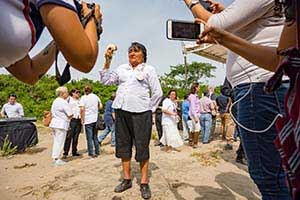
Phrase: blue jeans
(92,140)
(205,122)
(108,128)
(256,111)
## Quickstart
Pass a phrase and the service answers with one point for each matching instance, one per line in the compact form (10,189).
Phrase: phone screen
(185,30)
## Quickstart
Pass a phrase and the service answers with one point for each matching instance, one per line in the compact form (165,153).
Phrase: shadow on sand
(232,185)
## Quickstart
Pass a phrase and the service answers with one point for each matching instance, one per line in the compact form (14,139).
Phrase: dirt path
(176,175)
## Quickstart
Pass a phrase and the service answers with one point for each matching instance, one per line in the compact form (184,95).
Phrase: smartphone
(183,30)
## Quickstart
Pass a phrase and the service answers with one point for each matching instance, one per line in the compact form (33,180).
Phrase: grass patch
(211,158)
(7,149)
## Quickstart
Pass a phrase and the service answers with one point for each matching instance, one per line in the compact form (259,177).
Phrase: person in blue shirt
(109,120)
(185,107)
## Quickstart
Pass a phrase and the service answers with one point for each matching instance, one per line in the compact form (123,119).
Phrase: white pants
(59,137)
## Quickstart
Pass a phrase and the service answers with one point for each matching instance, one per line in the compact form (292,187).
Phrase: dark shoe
(76,154)
(64,156)
(228,147)
(145,191)
(126,184)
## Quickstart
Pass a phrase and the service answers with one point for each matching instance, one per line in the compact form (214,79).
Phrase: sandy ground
(207,172)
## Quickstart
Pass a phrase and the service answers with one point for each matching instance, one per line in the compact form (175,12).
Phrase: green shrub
(7,149)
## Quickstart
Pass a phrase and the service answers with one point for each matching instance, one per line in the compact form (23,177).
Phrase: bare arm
(79,46)
(33,69)
(265,57)
(82,115)
(199,12)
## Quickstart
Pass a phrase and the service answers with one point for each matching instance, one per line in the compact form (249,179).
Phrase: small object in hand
(110,49)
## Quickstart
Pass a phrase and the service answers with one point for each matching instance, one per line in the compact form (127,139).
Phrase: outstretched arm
(30,70)
(78,45)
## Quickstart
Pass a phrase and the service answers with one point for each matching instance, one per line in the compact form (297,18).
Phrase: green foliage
(7,149)
(181,79)
(35,99)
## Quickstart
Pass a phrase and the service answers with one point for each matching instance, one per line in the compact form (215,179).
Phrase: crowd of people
(259,39)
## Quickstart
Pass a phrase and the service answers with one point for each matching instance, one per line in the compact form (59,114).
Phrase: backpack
(47,117)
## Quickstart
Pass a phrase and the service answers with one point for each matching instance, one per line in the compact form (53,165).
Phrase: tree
(176,77)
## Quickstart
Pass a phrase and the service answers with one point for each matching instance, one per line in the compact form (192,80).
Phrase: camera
(79,8)
(84,19)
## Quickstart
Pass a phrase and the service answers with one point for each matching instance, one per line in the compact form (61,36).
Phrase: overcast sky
(125,21)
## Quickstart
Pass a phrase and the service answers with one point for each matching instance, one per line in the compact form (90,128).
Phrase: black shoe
(145,191)
(228,147)
(126,184)
(76,154)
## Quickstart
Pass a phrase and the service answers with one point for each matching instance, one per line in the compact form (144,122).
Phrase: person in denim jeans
(257,111)
(206,106)
(256,22)
(109,120)
(89,106)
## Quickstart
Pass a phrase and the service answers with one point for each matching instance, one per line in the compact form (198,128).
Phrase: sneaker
(124,185)
(228,147)
(58,162)
(145,191)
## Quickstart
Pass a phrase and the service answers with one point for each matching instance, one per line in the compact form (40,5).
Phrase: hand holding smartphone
(183,30)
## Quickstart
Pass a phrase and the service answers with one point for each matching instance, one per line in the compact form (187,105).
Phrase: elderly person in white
(12,108)
(138,95)
(61,115)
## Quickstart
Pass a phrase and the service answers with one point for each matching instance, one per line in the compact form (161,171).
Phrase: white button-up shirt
(60,111)
(139,89)
(12,110)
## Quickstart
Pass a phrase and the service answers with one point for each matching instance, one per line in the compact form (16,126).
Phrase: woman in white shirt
(61,115)
(170,137)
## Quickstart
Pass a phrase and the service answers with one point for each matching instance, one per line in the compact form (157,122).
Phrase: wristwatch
(192,3)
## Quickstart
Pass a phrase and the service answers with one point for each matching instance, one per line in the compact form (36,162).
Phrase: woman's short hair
(193,89)
(73,91)
(141,47)
(172,90)
(61,90)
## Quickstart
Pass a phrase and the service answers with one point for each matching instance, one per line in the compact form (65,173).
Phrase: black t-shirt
(222,102)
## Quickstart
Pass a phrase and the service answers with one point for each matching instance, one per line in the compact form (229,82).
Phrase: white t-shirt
(91,104)
(60,111)
(75,107)
(21,26)
(254,21)
(12,110)
(169,106)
